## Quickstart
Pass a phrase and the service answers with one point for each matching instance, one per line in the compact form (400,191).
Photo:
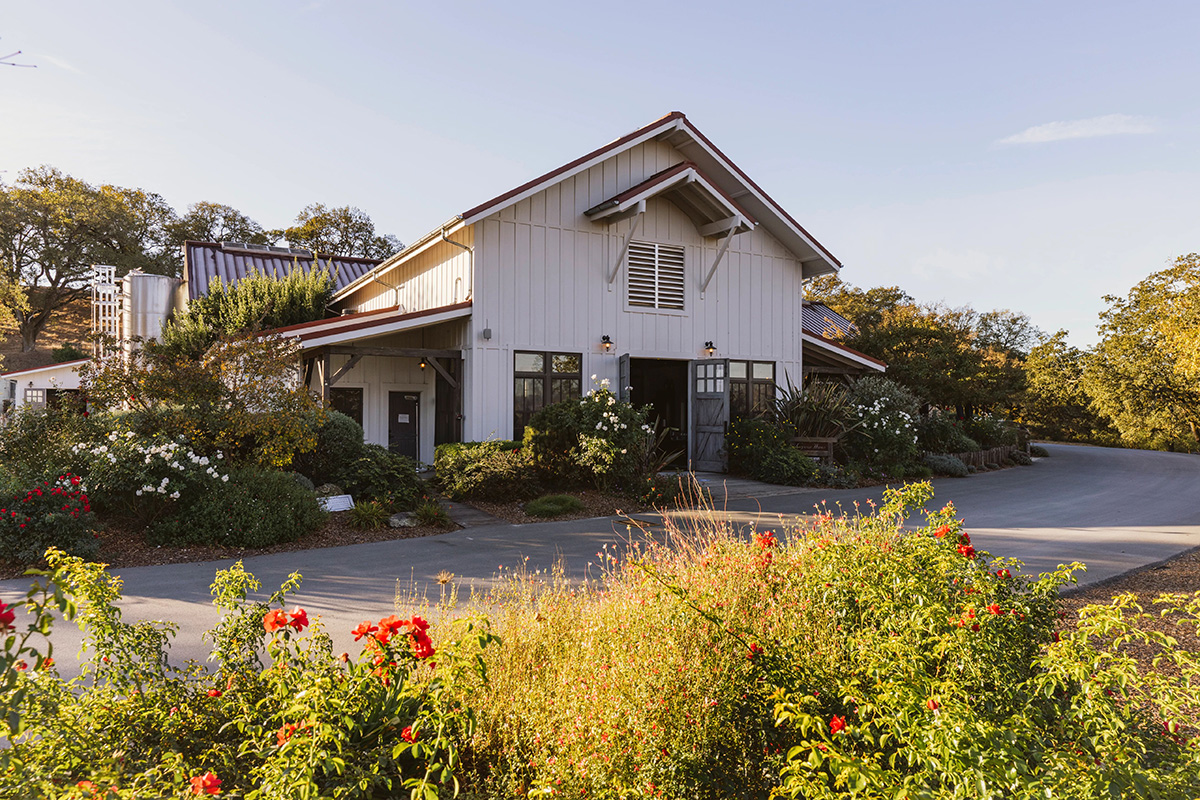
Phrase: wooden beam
(433,362)
(726,225)
(633,226)
(342,370)
(325,359)
(720,254)
(401,352)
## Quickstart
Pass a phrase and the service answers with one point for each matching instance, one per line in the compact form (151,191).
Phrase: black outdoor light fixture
(422,365)
(709,347)
(606,342)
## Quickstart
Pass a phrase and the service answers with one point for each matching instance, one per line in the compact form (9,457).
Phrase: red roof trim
(373,323)
(692,128)
(348,319)
(838,345)
(48,366)
(674,115)
(671,172)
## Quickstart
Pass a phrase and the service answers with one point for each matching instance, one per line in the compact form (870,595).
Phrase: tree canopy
(1056,404)
(339,231)
(1143,372)
(217,222)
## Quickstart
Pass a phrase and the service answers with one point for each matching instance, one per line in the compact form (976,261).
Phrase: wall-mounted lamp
(710,348)
(606,342)
(31,384)
(423,364)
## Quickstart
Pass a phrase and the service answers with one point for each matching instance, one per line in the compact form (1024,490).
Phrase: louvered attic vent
(655,275)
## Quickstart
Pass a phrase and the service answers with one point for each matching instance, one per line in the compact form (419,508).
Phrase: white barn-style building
(653,262)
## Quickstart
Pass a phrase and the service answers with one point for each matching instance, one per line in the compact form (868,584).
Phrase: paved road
(1113,509)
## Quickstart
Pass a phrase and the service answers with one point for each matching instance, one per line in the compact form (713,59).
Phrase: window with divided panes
(656,275)
(542,379)
(751,387)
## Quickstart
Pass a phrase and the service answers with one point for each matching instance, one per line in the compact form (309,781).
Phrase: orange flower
(363,629)
(299,618)
(942,531)
(274,620)
(284,733)
(214,692)
(994,608)
(208,783)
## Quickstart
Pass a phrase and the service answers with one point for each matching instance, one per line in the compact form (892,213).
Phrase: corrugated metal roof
(822,320)
(204,262)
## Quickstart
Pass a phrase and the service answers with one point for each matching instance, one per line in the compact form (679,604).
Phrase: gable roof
(705,203)
(205,262)
(680,133)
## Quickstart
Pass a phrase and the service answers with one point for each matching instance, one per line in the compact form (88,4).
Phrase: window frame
(548,376)
(748,382)
(657,308)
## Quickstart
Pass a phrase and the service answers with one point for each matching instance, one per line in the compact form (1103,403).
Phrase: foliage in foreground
(846,657)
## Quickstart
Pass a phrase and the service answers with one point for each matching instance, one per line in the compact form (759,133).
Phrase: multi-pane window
(35,397)
(656,275)
(348,401)
(542,379)
(751,387)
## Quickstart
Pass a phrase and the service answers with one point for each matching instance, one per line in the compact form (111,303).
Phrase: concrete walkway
(1114,509)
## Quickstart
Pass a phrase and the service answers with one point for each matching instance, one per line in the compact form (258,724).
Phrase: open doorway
(663,384)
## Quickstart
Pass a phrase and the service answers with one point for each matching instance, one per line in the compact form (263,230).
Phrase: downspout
(470,263)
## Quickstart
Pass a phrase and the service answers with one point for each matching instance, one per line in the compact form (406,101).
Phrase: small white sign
(337,502)
(402,418)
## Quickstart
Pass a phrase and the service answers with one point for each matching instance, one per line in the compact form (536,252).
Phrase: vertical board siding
(541,279)
(437,276)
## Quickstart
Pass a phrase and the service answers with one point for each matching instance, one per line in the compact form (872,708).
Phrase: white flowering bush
(887,433)
(146,478)
(596,441)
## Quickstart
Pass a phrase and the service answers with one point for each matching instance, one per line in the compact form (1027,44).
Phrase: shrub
(554,505)
(951,466)
(761,450)
(496,471)
(1020,459)
(1037,451)
(940,432)
(991,466)
(68,351)
(887,434)
(379,473)
(598,442)
(368,516)
(254,508)
(990,431)
(821,409)
(918,471)
(339,445)
(36,443)
(430,512)
(972,469)
(52,514)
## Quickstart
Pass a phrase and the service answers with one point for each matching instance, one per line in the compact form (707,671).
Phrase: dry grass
(71,324)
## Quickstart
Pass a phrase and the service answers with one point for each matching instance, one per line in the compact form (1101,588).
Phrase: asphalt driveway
(1116,510)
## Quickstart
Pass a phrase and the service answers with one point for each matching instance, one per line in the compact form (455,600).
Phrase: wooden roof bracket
(720,254)
(633,226)
(342,370)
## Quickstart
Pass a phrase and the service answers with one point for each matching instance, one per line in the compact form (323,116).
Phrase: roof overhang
(354,327)
(840,353)
(50,370)
(710,209)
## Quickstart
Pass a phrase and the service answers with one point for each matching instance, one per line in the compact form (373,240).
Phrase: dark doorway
(663,384)
(402,423)
(447,416)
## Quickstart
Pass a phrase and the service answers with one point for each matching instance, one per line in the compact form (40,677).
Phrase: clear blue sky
(1032,156)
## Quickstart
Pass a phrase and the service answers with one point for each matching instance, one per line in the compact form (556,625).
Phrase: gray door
(710,414)
(623,378)
(402,423)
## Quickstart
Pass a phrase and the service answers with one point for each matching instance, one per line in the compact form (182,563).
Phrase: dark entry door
(662,384)
(402,423)
(710,413)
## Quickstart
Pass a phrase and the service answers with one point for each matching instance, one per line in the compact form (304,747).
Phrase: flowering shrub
(991,431)
(382,724)
(761,450)
(597,441)
(887,435)
(54,513)
(940,432)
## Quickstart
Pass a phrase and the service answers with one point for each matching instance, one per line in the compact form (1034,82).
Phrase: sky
(1033,156)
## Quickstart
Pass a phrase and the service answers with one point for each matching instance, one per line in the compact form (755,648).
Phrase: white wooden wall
(437,276)
(541,284)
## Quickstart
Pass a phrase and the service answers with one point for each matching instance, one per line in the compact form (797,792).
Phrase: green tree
(1142,372)
(216,222)
(341,231)
(1055,404)
(54,227)
(12,301)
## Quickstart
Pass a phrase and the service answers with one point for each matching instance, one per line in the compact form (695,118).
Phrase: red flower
(942,531)
(754,650)
(299,618)
(966,538)
(20,666)
(390,626)
(966,551)
(284,733)
(994,608)
(1003,573)
(274,620)
(7,615)
(765,540)
(932,704)
(363,629)
(409,735)
(836,724)
(208,783)
(214,692)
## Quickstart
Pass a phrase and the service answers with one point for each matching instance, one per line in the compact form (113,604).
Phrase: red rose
(994,608)
(932,704)
(208,783)
(299,618)
(409,735)
(284,733)
(274,620)
(966,551)
(942,531)
(214,692)
(7,615)
(836,724)
(754,651)
(1003,573)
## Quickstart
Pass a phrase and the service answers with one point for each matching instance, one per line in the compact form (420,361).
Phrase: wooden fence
(996,455)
